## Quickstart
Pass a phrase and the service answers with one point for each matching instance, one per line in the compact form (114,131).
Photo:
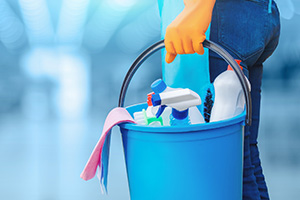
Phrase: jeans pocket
(241,27)
(256,1)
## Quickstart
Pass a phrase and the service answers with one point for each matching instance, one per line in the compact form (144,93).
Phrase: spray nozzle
(180,99)
(149,96)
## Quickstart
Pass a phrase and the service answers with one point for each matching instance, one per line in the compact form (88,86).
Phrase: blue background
(62,63)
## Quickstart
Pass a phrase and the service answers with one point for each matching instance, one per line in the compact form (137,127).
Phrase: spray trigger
(160,110)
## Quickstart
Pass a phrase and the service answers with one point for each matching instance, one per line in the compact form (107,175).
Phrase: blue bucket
(202,161)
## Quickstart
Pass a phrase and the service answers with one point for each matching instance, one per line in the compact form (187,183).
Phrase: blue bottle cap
(180,114)
(156,100)
(158,86)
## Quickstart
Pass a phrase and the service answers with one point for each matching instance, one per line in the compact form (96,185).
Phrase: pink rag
(116,116)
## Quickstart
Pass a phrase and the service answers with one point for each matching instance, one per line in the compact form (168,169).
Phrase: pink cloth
(116,116)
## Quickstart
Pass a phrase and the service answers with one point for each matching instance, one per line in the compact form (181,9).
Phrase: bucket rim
(239,119)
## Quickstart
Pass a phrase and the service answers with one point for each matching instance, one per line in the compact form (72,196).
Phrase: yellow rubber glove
(187,32)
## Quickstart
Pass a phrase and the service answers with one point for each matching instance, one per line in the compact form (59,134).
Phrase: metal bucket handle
(206,43)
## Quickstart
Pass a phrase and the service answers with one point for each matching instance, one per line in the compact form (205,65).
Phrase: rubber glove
(187,32)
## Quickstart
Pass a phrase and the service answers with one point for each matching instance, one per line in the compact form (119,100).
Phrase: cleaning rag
(100,155)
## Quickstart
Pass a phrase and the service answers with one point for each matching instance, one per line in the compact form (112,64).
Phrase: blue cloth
(186,71)
(249,31)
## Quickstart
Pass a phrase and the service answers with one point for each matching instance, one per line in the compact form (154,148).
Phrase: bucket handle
(206,43)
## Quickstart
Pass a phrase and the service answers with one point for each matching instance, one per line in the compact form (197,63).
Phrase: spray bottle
(180,100)
(147,117)
(159,86)
(229,97)
(151,110)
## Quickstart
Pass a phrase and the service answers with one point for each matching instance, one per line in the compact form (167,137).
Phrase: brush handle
(206,43)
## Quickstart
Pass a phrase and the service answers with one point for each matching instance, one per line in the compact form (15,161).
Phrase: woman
(249,30)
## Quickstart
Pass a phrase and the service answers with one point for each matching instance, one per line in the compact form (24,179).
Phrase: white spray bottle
(229,96)
(159,86)
(180,100)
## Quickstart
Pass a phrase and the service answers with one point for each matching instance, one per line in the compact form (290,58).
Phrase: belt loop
(270,6)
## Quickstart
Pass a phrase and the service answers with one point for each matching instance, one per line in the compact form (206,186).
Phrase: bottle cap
(238,62)
(180,114)
(158,86)
(156,100)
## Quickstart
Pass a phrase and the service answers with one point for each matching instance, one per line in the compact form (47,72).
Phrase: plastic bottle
(195,116)
(151,111)
(178,118)
(148,117)
(157,87)
(166,116)
(145,117)
(180,100)
(229,96)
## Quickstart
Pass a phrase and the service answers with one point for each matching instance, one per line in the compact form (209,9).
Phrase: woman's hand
(187,32)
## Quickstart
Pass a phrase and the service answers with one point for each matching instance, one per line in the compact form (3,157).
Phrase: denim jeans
(249,32)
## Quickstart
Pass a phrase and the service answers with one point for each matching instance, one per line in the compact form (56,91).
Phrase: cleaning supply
(157,87)
(139,117)
(179,118)
(147,117)
(100,155)
(143,118)
(180,101)
(166,116)
(208,104)
(195,115)
(151,110)
(179,151)
(229,97)
(160,86)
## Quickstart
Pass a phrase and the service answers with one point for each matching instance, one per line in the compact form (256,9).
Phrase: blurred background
(62,64)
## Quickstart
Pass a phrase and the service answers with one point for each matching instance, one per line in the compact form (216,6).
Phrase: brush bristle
(208,104)
(139,118)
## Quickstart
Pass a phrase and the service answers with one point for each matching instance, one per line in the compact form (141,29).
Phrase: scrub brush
(208,104)
(139,117)
(142,119)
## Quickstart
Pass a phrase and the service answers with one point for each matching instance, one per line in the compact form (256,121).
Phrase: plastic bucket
(203,161)
(195,162)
